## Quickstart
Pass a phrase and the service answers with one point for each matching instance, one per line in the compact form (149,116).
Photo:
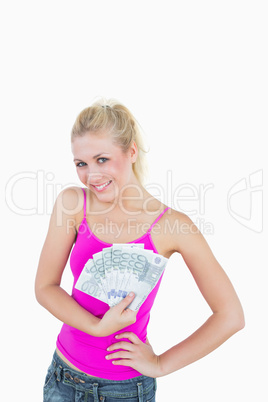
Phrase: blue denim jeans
(64,384)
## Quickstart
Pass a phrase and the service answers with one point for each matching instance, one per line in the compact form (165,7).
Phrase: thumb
(127,300)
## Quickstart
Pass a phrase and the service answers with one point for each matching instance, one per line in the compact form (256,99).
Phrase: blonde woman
(102,353)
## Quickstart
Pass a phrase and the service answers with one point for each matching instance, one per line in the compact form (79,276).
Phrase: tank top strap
(157,219)
(85,202)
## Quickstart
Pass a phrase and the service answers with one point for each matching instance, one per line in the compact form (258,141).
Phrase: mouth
(102,186)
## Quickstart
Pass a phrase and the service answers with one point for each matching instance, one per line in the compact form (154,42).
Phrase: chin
(105,196)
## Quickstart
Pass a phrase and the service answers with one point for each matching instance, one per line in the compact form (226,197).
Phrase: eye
(102,160)
(79,164)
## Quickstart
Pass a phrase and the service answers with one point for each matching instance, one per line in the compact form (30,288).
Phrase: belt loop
(95,392)
(58,372)
(140,391)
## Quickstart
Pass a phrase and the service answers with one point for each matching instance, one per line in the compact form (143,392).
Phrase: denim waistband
(137,387)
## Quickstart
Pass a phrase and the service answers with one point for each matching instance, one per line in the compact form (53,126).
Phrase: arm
(54,256)
(227,315)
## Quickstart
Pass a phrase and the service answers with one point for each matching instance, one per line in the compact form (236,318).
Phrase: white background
(194,73)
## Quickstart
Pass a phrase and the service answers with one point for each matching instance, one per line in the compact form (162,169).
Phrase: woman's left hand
(136,354)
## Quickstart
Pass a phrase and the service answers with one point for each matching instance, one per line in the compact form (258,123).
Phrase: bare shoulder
(71,199)
(180,231)
(60,236)
(68,206)
(180,219)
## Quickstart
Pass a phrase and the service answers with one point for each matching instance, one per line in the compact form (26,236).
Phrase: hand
(136,354)
(116,318)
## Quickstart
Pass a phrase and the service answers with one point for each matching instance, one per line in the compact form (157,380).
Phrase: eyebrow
(94,157)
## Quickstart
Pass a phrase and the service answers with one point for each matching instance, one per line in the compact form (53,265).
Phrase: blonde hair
(111,115)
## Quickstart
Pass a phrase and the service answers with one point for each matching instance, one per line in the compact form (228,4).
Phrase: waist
(87,354)
(67,363)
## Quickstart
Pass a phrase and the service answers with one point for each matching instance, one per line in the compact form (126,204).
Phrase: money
(147,270)
(120,257)
(115,271)
(107,263)
(89,282)
(99,264)
(130,258)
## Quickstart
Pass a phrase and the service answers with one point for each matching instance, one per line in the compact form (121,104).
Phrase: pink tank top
(87,352)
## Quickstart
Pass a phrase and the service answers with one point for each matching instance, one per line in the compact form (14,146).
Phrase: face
(102,166)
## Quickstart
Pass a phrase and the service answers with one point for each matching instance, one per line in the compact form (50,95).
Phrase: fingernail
(131,294)
(108,349)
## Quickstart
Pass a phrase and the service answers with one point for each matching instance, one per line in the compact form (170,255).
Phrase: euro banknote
(115,271)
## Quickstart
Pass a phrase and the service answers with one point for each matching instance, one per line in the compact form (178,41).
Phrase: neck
(131,197)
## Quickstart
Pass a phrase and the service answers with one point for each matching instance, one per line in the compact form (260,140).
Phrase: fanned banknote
(89,282)
(115,271)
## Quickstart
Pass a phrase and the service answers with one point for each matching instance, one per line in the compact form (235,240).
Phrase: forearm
(215,331)
(59,303)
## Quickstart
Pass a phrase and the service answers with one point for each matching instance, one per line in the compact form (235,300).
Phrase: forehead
(92,143)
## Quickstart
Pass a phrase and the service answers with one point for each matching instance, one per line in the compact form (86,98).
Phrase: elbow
(237,321)
(38,294)
(45,293)
(241,322)
(232,320)
(41,294)
(238,325)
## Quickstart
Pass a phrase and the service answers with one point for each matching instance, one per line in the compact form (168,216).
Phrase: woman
(103,353)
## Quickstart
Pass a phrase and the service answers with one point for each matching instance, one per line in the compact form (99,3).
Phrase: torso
(127,227)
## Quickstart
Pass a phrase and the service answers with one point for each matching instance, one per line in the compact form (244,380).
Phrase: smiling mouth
(102,186)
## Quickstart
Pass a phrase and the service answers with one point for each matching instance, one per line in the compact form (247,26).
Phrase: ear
(133,152)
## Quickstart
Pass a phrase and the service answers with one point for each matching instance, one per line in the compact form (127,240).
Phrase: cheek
(119,165)
(81,174)
(117,168)
(122,164)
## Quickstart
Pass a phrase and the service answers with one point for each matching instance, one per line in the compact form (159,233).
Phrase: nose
(94,177)
(97,178)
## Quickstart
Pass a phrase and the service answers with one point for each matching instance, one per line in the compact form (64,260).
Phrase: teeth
(104,185)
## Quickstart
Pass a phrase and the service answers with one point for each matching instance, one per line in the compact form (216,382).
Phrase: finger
(128,317)
(126,301)
(122,345)
(128,314)
(122,354)
(129,335)
(124,362)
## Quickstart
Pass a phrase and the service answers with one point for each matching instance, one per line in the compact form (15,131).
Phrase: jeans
(64,384)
